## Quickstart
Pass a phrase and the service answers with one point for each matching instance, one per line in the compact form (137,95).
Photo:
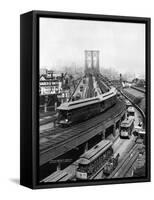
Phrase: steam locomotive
(83,109)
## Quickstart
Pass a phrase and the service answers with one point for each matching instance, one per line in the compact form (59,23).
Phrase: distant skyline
(121,45)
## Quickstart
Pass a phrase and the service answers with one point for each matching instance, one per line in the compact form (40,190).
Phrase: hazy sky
(121,45)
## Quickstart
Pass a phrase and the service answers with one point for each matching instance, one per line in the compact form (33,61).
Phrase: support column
(97,61)
(55,106)
(143,124)
(86,147)
(119,126)
(114,129)
(58,166)
(62,101)
(86,61)
(125,115)
(54,123)
(103,134)
(45,107)
(119,123)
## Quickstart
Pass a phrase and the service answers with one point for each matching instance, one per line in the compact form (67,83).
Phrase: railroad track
(125,165)
(76,129)
(69,173)
(65,175)
(47,120)
(99,171)
(129,97)
(106,80)
(90,92)
(61,136)
(79,81)
(138,89)
(52,144)
(129,165)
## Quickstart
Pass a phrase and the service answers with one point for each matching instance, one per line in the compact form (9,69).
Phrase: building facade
(50,83)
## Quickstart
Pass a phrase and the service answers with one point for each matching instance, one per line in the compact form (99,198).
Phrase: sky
(121,45)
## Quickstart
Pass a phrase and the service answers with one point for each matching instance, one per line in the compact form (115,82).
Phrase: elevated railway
(134,93)
(78,83)
(56,142)
(69,173)
(130,98)
(140,89)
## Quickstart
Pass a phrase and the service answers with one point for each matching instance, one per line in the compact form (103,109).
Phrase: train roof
(84,102)
(128,102)
(130,109)
(142,132)
(78,103)
(93,153)
(137,128)
(126,122)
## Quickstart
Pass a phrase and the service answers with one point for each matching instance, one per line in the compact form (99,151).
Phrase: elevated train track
(128,95)
(138,89)
(54,142)
(130,98)
(72,137)
(79,81)
(69,173)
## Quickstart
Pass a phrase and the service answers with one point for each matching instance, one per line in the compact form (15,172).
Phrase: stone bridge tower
(91,61)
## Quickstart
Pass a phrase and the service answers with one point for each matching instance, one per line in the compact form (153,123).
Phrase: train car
(126,128)
(136,130)
(80,110)
(128,103)
(94,159)
(141,137)
(131,112)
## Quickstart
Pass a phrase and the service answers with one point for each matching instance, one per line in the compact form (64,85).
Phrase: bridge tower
(91,61)
(120,81)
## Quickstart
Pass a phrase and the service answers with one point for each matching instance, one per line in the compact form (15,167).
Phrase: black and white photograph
(92,100)
(76,100)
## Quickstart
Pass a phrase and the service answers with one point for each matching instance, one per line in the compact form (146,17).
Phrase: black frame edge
(26,159)
(148,95)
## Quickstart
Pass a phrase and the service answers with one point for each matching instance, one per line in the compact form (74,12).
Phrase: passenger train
(83,109)
(131,112)
(94,159)
(126,128)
